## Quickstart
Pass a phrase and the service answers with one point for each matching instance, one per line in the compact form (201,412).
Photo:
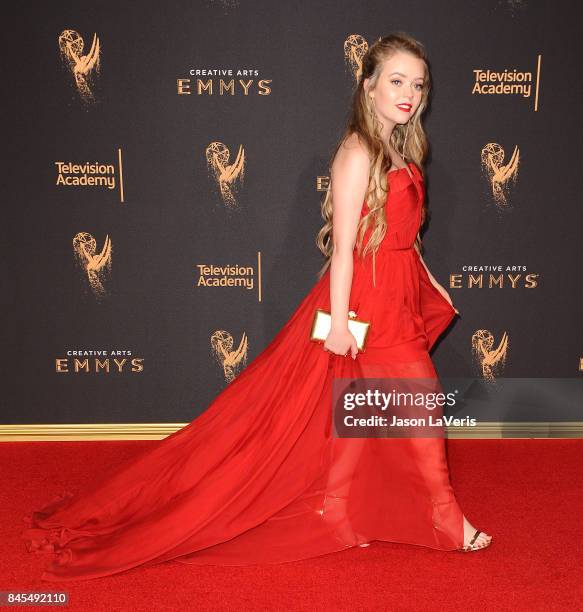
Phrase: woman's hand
(340,342)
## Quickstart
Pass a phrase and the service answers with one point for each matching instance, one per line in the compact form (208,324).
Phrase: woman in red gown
(260,477)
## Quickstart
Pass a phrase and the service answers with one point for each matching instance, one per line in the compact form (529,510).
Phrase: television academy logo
(508,83)
(227,176)
(237,276)
(82,67)
(95,266)
(94,174)
(498,173)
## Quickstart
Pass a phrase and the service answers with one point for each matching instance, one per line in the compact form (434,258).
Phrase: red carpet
(527,493)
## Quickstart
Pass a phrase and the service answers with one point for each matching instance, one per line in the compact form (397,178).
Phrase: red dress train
(259,476)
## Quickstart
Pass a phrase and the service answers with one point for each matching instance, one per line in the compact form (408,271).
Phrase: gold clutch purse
(323,322)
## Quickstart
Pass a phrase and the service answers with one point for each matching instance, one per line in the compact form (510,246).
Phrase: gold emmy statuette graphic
(71,45)
(499,174)
(355,48)
(94,264)
(489,361)
(217,156)
(231,361)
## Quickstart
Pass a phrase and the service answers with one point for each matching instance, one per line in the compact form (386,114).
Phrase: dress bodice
(403,208)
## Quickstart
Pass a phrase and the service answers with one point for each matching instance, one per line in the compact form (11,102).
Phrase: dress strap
(373,269)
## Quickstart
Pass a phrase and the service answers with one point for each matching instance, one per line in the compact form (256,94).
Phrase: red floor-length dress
(259,476)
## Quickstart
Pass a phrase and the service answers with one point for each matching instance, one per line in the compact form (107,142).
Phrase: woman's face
(398,90)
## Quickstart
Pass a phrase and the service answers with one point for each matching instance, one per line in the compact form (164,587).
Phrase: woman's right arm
(349,176)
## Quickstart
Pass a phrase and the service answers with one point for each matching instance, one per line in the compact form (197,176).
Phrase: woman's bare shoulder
(352,155)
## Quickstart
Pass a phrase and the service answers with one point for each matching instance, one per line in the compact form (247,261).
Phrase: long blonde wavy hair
(409,138)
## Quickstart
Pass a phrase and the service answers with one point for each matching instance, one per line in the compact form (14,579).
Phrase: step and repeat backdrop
(164,171)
